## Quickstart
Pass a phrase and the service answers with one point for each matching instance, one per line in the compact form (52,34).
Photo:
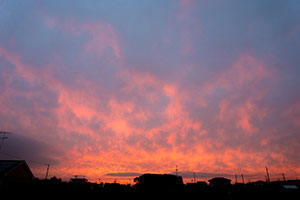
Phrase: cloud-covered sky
(108,87)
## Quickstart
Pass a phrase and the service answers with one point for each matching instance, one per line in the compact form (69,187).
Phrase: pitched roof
(219,179)
(8,165)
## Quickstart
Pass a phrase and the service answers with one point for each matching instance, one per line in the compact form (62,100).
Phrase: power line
(28,160)
(18,157)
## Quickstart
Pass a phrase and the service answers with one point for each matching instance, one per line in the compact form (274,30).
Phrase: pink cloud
(243,79)
(16,61)
(101,35)
(245,74)
(120,139)
(189,26)
(293,114)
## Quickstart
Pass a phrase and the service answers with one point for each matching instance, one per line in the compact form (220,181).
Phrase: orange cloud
(146,126)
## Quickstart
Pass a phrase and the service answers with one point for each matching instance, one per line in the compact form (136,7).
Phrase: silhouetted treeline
(149,184)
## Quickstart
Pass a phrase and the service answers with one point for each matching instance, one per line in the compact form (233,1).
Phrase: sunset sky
(117,87)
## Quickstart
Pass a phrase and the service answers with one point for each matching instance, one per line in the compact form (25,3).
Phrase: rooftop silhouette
(17,178)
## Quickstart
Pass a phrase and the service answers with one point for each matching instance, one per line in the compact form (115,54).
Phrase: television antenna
(3,137)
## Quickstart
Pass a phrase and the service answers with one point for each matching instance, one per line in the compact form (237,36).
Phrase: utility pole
(283,176)
(194,177)
(235,178)
(268,176)
(243,178)
(176,171)
(48,166)
(3,138)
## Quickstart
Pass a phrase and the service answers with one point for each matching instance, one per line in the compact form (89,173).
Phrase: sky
(104,88)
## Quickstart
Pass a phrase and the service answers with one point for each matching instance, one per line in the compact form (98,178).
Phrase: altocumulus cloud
(111,89)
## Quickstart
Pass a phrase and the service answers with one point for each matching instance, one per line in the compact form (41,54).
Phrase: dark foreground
(57,189)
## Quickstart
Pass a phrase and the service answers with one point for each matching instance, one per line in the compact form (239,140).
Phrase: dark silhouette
(78,179)
(159,183)
(15,171)
(219,182)
(17,180)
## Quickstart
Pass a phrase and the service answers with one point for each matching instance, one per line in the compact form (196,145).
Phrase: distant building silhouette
(78,179)
(200,186)
(219,182)
(15,171)
(159,183)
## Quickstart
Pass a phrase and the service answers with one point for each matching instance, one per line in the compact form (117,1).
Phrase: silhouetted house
(290,185)
(200,186)
(258,183)
(219,182)
(54,179)
(15,171)
(78,179)
(159,183)
(201,183)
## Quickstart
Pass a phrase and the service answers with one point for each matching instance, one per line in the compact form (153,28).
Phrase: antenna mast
(268,176)
(283,176)
(194,177)
(48,166)
(3,137)
(243,178)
